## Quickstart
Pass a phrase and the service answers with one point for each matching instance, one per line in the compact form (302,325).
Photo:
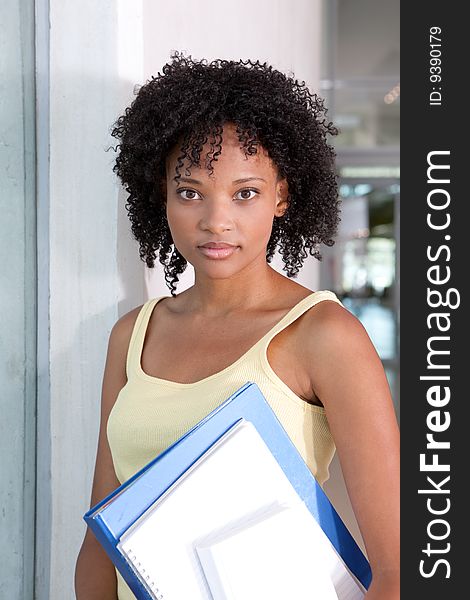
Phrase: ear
(282,193)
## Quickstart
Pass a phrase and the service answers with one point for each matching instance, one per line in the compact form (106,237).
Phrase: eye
(245,191)
(191,194)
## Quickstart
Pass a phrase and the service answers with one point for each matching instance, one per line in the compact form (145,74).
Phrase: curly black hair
(189,104)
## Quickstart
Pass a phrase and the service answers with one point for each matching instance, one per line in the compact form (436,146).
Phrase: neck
(219,297)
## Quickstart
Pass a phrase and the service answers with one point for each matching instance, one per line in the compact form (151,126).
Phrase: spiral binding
(141,570)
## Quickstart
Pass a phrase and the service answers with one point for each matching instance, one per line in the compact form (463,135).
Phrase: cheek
(179,221)
(261,223)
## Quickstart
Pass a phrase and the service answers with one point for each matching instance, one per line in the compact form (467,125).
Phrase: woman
(225,162)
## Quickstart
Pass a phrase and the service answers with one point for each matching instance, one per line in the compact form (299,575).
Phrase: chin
(218,271)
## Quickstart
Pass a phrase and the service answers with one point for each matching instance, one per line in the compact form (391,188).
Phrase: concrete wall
(17,298)
(92,269)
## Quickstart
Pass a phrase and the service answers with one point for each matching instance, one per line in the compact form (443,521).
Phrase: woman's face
(221,223)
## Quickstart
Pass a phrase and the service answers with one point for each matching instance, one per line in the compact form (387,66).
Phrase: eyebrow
(242,180)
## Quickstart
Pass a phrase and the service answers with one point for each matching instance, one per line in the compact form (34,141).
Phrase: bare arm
(348,377)
(95,576)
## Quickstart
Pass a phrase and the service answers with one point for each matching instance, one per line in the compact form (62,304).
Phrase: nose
(217,216)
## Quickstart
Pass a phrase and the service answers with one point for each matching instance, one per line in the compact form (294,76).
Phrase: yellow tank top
(151,413)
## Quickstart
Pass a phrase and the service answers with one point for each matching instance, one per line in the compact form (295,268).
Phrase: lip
(218,250)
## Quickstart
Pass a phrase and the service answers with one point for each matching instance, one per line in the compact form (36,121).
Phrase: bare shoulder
(115,369)
(336,349)
(122,329)
(328,323)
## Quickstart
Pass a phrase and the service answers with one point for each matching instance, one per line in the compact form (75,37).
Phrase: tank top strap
(136,342)
(298,310)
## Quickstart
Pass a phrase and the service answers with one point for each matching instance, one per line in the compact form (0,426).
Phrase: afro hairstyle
(188,104)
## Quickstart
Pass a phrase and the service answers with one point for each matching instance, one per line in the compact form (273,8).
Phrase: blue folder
(111,517)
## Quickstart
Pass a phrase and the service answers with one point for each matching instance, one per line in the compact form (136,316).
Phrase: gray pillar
(17,299)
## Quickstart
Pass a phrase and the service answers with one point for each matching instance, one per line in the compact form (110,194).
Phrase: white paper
(236,478)
(268,556)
